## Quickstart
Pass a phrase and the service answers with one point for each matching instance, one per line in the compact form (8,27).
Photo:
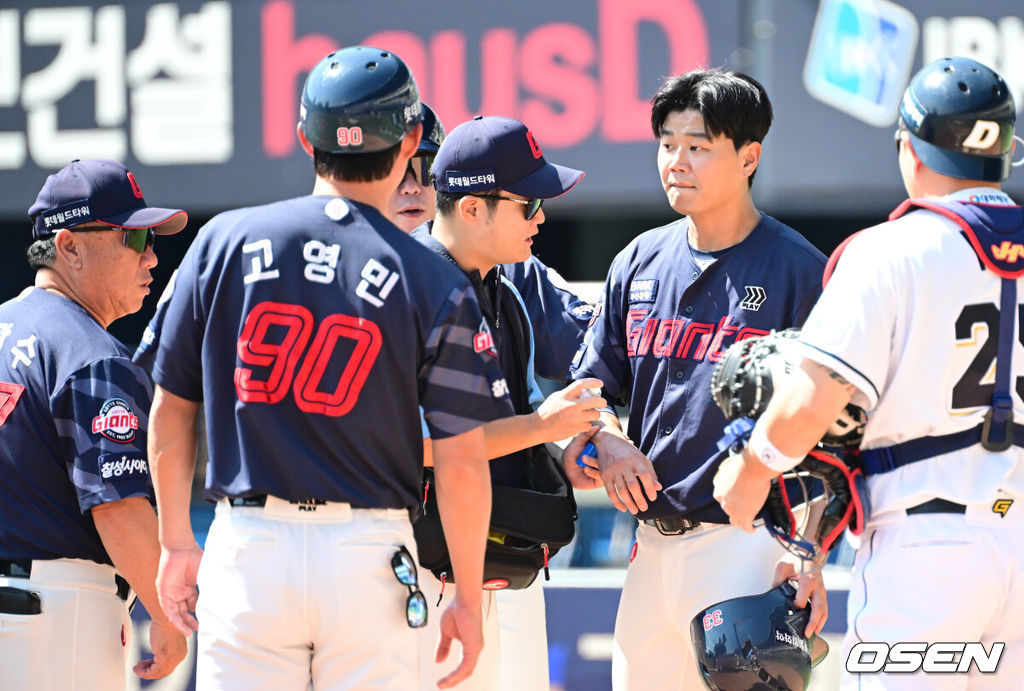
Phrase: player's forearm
(512,434)
(804,407)
(128,529)
(464,501)
(610,424)
(172,455)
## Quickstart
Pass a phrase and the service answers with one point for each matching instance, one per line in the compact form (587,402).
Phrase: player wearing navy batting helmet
(920,324)
(675,298)
(77,529)
(313,331)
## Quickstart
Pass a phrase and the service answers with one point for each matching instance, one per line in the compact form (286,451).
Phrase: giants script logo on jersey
(116,421)
(681,338)
(754,298)
(1008,251)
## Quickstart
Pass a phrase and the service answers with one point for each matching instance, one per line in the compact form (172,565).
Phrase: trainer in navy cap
(491,152)
(98,191)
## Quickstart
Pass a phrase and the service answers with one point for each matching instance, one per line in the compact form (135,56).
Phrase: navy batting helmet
(960,115)
(756,643)
(359,100)
(433,133)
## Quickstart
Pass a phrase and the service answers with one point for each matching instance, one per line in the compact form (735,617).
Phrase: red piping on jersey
(833,259)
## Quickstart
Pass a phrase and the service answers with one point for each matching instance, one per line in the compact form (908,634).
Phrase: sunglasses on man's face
(532,205)
(404,569)
(139,238)
(420,169)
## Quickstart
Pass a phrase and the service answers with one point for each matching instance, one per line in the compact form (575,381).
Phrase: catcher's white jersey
(910,318)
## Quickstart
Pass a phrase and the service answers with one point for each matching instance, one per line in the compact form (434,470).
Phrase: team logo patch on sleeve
(643,290)
(116,421)
(115,467)
(581,310)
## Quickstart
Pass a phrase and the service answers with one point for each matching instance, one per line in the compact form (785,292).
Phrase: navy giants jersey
(73,418)
(663,325)
(559,316)
(313,329)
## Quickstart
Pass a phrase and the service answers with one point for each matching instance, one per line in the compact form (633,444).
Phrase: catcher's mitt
(742,384)
(745,379)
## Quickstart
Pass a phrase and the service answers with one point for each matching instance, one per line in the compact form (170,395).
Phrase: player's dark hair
(366,167)
(446,201)
(42,253)
(732,104)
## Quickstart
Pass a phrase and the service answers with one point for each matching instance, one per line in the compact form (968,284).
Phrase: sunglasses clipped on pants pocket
(18,601)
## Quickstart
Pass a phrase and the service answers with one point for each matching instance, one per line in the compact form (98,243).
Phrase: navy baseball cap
(98,191)
(491,152)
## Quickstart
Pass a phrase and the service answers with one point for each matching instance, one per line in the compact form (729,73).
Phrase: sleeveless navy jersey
(662,326)
(73,418)
(313,329)
(558,315)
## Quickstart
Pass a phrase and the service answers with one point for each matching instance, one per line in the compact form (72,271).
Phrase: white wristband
(768,453)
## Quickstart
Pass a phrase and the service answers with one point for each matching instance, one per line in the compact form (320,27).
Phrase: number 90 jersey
(911,318)
(313,330)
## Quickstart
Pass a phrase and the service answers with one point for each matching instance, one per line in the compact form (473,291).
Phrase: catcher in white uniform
(921,324)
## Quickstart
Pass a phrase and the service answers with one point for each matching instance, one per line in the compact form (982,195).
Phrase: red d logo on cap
(135,186)
(534,146)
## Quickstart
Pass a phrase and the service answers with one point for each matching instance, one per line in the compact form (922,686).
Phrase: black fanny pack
(528,526)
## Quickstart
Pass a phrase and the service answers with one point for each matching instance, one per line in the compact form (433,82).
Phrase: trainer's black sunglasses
(532,205)
(422,171)
(405,571)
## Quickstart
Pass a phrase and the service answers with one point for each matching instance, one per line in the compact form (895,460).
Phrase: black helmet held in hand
(756,643)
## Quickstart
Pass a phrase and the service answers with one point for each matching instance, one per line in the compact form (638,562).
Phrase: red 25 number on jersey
(292,326)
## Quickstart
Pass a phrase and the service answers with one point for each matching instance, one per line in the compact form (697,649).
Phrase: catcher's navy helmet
(960,116)
(756,643)
(359,100)
(433,133)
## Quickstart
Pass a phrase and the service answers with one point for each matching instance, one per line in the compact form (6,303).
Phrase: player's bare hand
(810,588)
(176,586)
(581,478)
(567,412)
(169,648)
(463,624)
(741,487)
(627,475)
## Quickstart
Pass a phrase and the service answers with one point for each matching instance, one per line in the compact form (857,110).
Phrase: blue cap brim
(550,181)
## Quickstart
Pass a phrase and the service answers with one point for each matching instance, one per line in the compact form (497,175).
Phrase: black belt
(256,500)
(937,506)
(673,526)
(22,568)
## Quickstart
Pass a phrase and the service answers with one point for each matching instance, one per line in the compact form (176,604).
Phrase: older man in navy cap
(492,180)
(78,534)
